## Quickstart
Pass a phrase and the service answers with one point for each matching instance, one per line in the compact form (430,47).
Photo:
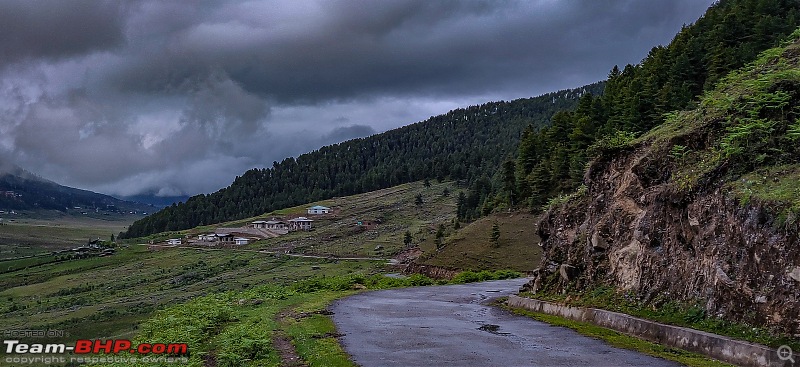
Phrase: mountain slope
(21,190)
(702,210)
(465,143)
(637,98)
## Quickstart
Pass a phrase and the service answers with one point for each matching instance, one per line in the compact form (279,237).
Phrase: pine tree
(407,239)
(495,236)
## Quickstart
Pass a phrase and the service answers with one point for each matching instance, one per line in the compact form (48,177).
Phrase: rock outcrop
(667,227)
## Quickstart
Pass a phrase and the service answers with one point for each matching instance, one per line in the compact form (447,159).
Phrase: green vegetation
(469,247)
(27,237)
(391,212)
(239,328)
(624,341)
(553,159)
(482,276)
(109,296)
(777,188)
(668,311)
(117,295)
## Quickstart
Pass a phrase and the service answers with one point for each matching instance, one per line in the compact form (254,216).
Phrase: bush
(481,276)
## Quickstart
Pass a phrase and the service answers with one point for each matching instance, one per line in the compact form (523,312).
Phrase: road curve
(449,326)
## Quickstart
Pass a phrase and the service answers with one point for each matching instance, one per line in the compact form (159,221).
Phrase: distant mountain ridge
(23,190)
(155,200)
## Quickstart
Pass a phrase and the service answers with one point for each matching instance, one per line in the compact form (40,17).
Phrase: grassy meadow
(117,296)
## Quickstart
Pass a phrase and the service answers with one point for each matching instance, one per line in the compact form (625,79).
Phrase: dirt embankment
(634,229)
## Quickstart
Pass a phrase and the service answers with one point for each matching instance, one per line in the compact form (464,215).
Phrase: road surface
(449,326)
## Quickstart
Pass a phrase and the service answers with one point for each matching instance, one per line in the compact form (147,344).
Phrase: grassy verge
(691,315)
(314,334)
(620,340)
(238,328)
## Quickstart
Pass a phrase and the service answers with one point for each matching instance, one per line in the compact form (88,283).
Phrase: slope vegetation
(702,210)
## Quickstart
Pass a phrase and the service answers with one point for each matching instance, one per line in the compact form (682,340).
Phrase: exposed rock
(598,242)
(723,278)
(567,272)
(649,237)
(625,263)
(794,274)
(694,222)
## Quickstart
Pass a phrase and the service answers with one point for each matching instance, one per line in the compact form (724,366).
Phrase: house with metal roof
(318,209)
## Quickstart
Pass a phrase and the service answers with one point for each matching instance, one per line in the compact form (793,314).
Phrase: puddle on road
(492,328)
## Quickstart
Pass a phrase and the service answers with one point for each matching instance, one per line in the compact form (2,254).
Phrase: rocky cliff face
(681,215)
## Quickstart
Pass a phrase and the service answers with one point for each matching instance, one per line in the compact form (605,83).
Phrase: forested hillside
(466,143)
(637,98)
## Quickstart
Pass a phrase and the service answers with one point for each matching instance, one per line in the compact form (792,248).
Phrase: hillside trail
(453,325)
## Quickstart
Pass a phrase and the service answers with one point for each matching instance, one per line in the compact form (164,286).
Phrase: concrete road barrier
(719,347)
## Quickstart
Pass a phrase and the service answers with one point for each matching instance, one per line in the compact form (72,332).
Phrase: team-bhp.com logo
(86,346)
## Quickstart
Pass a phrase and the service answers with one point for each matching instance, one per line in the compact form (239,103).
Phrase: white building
(210,237)
(276,224)
(300,224)
(269,224)
(241,240)
(318,209)
(174,241)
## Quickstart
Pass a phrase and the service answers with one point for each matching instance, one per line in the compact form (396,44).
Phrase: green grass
(168,294)
(778,187)
(17,240)
(338,235)
(236,328)
(111,296)
(470,248)
(314,335)
(667,311)
(620,340)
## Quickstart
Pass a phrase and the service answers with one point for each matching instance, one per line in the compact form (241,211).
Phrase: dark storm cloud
(351,49)
(52,29)
(180,97)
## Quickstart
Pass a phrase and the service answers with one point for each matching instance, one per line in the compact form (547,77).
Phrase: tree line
(552,159)
(463,144)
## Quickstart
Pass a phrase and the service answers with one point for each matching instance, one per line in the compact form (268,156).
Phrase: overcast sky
(174,98)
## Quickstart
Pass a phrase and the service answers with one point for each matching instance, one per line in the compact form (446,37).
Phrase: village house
(269,224)
(174,241)
(241,240)
(300,224)
(224,238)
(276,224)
(210,237)
(318,209)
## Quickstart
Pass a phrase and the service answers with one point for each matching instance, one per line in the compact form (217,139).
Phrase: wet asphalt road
(446,326)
